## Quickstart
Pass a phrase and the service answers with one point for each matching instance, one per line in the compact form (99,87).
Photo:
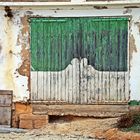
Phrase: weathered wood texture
(111,88)
(79,60)
(5,107)
(81,110)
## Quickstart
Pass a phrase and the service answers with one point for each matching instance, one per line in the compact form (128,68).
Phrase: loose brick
(39,123)
(27,124)
(33,117)
(30,121)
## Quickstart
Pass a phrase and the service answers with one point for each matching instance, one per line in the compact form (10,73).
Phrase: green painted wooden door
(79,60)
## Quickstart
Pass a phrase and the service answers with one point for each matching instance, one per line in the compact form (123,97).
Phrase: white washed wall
(11,40)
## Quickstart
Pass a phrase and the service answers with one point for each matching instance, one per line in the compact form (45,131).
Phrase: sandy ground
(75,129)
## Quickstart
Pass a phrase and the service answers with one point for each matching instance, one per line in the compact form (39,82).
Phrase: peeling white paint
(10,59)
(21,92)
(86,85)
(135,62)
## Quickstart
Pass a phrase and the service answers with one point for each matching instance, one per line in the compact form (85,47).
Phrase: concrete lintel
(73,3)
(81,110)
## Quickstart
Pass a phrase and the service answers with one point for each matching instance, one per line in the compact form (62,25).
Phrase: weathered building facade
(65,54)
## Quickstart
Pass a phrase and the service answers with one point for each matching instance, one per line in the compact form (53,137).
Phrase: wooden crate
(5,107)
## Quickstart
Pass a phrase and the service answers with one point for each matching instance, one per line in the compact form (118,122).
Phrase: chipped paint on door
(93,39)
(79,60)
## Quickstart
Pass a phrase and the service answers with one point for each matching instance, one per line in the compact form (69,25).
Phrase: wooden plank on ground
(81,110)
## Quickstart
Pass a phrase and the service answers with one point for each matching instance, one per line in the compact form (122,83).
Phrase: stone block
(30,121)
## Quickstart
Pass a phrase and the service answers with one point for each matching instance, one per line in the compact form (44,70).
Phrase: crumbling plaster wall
(15,44)
(14,52)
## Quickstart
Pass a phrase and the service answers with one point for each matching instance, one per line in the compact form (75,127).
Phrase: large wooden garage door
(79,60)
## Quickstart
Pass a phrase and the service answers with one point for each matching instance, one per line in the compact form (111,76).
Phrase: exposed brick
(23,118)
(18,109)
(30,121)
(33,117)
(27,124)
(39,123)
(23,108)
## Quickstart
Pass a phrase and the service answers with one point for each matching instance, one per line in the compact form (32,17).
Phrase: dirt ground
(75,129)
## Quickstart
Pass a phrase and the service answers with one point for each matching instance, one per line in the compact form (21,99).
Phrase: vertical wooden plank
(102,55)
(127,96)
(114,59)
(40,59)
(82,82)
(83,63)
(77,60)
(93,60)
(52,60)
(66,71)
(127,88)
(61,56)
(126,61)
(62,28)
(73,62)
(105,86)
(96,26)
(100,86)
(46,45)
(69,70)
(33,59)
(98,53)
(49,61)
(89,43)
(70,76)
(120,62)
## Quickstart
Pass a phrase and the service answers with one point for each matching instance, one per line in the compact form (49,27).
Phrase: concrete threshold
(7,129)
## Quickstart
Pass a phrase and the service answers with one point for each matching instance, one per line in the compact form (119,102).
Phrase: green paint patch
(134,103)
(56,41)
